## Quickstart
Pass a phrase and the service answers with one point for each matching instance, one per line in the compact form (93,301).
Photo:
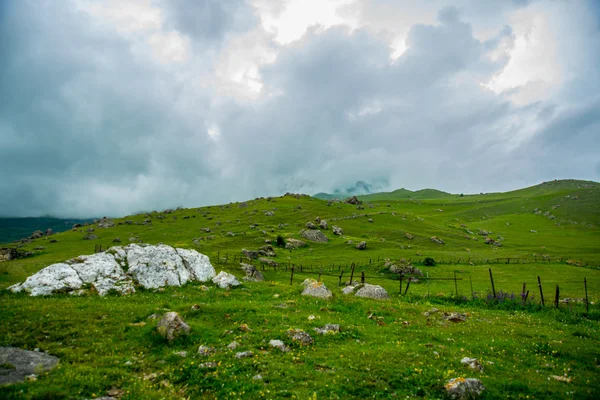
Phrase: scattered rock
(205,351)
(244,354)
(316,289)
(362,245)
(370,220)
(16,364)
(314,236)
(252,274)
(300,337)
(171,326)
(473,363)
(455,317)
(292,244)
(323,224)
(464,388)
(225,280)
(267,250)
(251,254)
(437,240)
(372,292)
(268,261)
(90,236)
(208,365)
(278,344)
(338,231)
(353,200)
(257,377)
(310,225)
(328,329)
(233,345)
(269,213)
(117,240)
(349,289)
(409,236)
(105,223)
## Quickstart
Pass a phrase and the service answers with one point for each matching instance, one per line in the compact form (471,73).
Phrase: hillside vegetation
(385,349)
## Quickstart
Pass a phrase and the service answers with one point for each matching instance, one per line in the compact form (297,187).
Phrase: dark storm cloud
(92,122)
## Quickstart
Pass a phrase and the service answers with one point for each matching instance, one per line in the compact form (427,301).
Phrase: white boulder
(225,280)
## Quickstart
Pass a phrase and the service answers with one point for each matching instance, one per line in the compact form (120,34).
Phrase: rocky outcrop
(464,388)
(121,269)
(292,244)
(323,224)
(353,200)
(314,236)
(337,231)
(18,364)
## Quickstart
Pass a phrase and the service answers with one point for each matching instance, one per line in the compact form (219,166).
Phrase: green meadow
(385,349)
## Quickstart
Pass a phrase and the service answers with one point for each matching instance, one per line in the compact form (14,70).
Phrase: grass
(384,350)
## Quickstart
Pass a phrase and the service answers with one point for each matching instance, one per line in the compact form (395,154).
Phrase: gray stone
(337,231)
(292,244)
(17,364)
(171,326)
(205,351)
(314,236)
(90,236)
(323,224)
(278,344)
(464,388)
(244,354)
(437,240)
(362,245)
(233,345)
(328,329)
(316,289)
(225,280)
(251,254)
(372,292)
(310,225)
(473,363)
(300,337)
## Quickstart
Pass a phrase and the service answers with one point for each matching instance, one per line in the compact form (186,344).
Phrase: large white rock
(197,264)
(156,266)
(103,272)
(55,278)
(225,280)
(120,268)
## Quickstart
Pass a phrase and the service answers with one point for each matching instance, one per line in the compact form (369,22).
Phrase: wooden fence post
(352,274)
(523,298)
(292,275)
(455,285)
(556,297)
(541,291)
(401,277)
(493,288)
(407,285)
(340,282)
(472,292)
(362,278)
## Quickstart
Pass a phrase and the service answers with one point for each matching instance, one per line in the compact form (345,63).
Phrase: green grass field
(384,350)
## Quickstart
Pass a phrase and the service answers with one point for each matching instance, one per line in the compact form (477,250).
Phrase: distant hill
(12,229)
(359,189)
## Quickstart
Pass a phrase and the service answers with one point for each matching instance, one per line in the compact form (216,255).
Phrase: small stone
(362,245)
(300,337)
(278,344)
(473,363)
(257,377)
(181,353)
(328,329)
(208,365)
(205,351)
(233,345)
(464,388)
(244,354)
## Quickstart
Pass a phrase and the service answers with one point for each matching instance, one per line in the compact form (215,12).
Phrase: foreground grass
(386,349)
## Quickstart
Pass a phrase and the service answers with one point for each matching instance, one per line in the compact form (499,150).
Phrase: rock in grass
(316,289)
(300,337)
(362,245)
(205,351)
(244,354)
(314,236)
(464,388)
(17,364)
(225,280)
(455,317)
(372,292)
(292,244)
(473,363)
(278,344)
(328,329)
(120,269)
(171,326)
(338,231)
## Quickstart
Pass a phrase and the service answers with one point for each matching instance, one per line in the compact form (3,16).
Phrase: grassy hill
(385,349)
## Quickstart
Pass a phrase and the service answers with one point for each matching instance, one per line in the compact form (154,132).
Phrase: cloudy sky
(118,106)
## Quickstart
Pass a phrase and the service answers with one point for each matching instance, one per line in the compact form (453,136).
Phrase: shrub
(429,262)
(280,241)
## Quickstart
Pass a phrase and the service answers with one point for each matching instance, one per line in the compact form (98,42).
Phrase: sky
(119,106)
